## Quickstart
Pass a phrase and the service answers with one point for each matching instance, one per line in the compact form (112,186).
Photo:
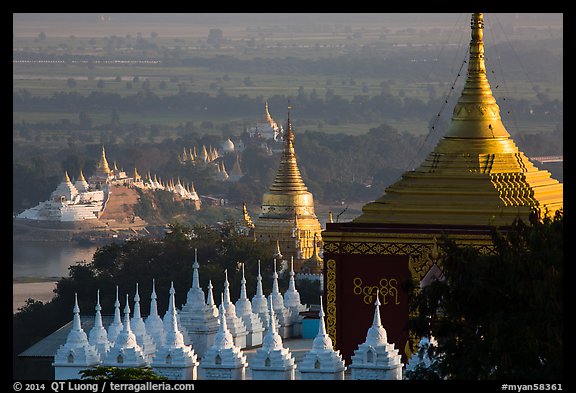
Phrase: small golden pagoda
(475,179)
(287,215)
(102,173)
(102,167)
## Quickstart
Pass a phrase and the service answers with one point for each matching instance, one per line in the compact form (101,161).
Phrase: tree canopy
(167,260)
(498,316)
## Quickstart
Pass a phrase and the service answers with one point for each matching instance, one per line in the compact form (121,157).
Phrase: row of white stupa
(172,346)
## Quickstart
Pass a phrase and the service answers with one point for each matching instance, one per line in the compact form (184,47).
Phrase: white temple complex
(137,342)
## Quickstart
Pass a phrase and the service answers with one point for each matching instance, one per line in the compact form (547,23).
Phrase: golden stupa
(474,180)
(476,175)
(287,215)
(102,167)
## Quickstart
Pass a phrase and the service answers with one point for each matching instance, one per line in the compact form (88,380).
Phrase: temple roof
(476,174)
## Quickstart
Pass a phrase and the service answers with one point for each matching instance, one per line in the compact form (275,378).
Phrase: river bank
(22,291)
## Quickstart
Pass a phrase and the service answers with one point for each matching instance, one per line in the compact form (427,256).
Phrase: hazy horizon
(164,23)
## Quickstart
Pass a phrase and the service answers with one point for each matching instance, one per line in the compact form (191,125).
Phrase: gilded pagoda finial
(103,164)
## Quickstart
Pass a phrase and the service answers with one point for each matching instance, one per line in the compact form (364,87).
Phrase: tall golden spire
(103,164)
(476,174)
(286,204)
(477,115)
(288,178)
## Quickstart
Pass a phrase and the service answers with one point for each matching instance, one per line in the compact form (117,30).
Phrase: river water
(47,259)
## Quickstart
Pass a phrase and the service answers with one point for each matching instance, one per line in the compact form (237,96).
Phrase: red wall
(357,278)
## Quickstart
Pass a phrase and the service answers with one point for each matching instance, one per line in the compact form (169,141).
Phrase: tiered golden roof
(476,175)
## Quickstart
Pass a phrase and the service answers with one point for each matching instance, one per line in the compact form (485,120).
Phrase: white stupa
(115,326)
(210,300)
(174,359)
(81,184)
(292,302)
(139,328)
(153,322)
(77,353)
(283,313)
(322,362)
(196,316)
(272,361)
(376,358)
(166,319)
(98,337)
(260,304)
(224,360)
(234,322)
(126,352)
(251,320)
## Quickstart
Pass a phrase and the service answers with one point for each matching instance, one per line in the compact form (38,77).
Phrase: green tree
(498,316)
(101,373)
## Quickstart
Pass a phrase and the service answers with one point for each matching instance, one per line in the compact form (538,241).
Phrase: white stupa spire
(376,358)
(77,336)
(195,297)
(276,340)
(235,323)
(272,360)
(174,337)
(98,335)
(322,361)
(243,285)
(224,359)
(77,353)
(139,328)
(292,296)
(226,295)
(126,352)
(377,334)
(223,338)
(153,323)
(167,316)
(259,302)
(251,320)
(174,359)
(283,314)
(210,300)
(127,336)
(116,326)
(196,317)
(276,295)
